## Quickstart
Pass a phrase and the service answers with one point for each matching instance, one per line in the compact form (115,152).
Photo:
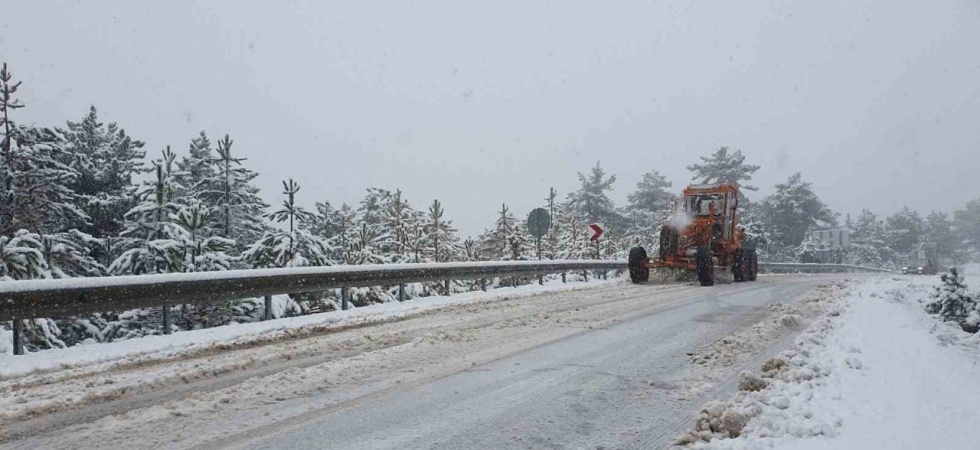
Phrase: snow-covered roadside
(163,347)
(875,372)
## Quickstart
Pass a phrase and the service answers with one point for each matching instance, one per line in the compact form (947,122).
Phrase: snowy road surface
(604,367)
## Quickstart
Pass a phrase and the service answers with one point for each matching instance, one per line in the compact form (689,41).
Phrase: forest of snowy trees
(86,199)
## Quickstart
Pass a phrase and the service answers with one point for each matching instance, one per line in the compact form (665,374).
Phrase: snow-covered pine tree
(34,184)
(650,206)
(400,221)
(106,160)
(809,250)
(793,210)
(69,255)
(591,201)
(294,247)
(952,302)
(347,235)
(150,241)
(201,252)
(236,206)
(441,241)
(906,230)
(572,235)
(940,240)
(967,223)
(326,223)
(196,170)
(21,256)
(505,241)
(724,167)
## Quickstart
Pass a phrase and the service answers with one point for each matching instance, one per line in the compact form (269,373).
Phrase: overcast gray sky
(877,102)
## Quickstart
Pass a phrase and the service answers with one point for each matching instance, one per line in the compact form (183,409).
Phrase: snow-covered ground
(164,347)
(875,372)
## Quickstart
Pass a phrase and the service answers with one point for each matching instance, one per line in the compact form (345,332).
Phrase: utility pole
(551,205)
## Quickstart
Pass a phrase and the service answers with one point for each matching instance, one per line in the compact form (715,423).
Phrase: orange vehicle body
(703,236)
(718,228)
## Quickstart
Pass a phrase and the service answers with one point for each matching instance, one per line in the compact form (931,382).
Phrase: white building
(836,238)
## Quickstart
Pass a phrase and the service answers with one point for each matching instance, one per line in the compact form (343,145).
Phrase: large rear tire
(705,266)
(752,260)
(740,265)
(639,272)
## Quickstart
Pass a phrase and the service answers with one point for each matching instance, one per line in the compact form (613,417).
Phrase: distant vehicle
(919,267)
(703,237)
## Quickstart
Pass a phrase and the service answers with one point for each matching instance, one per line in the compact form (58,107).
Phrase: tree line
(83,200)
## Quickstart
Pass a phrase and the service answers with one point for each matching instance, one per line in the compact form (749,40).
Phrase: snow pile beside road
(718,360)
(189,342)
(875,372)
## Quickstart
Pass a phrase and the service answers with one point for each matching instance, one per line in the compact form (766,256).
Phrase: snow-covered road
(611,366)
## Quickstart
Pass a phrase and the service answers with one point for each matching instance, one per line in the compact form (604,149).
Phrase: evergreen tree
(106,160)
(573,235)
(652,193)
(940,241)
(905,232)
(953,302)
(441,237)
(150,240)
(196,171)
(809,250)
(967,223)
(724,167)
(327,221)
(35,186)
(21,256)
(234,200)
(200,251)
(591,201)
(793,210)
(292,248)
(69,255)
(400,222)
(650,206)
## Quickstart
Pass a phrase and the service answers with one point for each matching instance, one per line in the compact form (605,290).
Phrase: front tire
(752,258)
(740,266)
(705,266)
(639,272)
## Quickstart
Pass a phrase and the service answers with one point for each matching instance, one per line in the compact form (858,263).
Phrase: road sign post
(538,224)
(597,231)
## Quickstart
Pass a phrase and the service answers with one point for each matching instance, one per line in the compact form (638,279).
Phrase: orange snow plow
(702,236)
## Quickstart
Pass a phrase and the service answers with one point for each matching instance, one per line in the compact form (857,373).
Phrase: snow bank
(6,342)
(167,346)
(877,372)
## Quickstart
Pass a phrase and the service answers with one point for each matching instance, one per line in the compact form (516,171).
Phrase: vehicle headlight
(920,268)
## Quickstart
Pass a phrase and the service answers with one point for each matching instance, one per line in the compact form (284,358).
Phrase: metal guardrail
(31,299)
(815,268)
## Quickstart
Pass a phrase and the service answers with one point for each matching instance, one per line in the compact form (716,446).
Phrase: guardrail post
(344,298)
(585,273)
(401,292)
(166,319)
(541,280)
(18,337)
(448,287)
(483,284)
(268,307)
(563,277)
